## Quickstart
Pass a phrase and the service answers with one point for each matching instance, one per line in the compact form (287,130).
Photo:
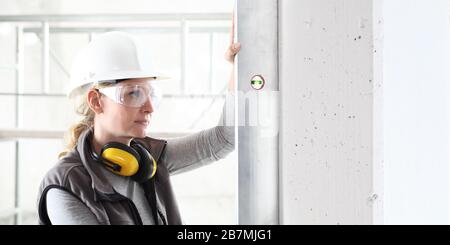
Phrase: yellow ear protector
(133,161)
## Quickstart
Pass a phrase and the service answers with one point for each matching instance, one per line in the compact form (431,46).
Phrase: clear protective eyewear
(133,95)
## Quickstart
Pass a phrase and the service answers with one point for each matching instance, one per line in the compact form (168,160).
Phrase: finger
(232,29)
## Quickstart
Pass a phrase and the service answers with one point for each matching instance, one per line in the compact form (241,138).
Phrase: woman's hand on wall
(231,53)
(234,48)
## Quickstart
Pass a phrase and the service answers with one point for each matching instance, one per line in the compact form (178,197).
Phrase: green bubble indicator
(257,82)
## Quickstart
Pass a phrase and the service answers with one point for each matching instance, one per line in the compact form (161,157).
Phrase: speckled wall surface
(330,82)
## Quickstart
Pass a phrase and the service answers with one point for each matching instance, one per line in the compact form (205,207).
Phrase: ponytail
(71,137)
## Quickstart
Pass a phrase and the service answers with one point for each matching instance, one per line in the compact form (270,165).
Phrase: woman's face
(124,121)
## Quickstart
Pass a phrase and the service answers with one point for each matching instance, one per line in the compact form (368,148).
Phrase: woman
(111,172)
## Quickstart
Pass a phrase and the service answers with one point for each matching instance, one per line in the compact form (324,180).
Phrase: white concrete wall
(416,111)
(365,110)
(330,70)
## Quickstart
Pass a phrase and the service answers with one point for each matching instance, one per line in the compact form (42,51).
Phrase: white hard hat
(111,56)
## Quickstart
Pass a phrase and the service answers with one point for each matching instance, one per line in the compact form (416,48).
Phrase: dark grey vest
(78,174)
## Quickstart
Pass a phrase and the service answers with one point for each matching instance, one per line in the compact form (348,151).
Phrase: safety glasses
(133,95)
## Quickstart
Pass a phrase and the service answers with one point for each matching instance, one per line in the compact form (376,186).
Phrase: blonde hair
(81,108)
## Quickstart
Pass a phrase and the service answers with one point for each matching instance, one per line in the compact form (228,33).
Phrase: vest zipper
(135,212)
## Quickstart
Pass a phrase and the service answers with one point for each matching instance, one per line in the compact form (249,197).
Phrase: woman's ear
(94,102)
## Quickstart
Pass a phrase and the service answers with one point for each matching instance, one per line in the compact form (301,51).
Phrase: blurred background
(39,39)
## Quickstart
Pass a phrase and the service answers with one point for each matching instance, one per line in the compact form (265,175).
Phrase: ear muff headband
(127,158)
(154,167)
